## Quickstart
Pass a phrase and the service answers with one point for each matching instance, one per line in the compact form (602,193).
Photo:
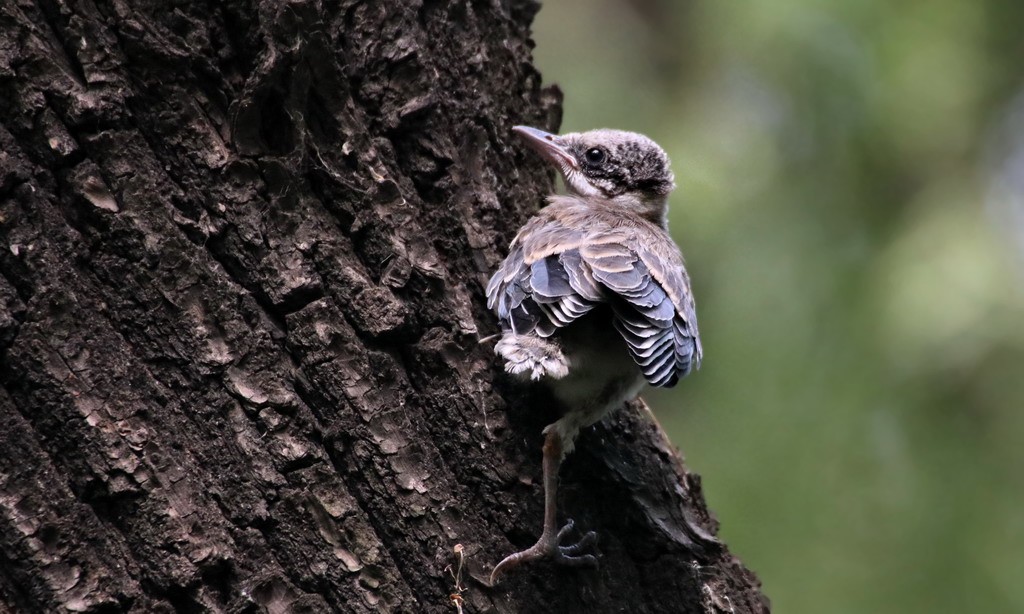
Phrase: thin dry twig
(456,596)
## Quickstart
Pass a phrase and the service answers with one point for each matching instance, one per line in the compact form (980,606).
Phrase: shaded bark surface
(243,246)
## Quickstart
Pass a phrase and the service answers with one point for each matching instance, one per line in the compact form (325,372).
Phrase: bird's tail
(532,356)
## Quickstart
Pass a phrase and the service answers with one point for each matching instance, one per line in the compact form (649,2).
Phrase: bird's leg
(549,544)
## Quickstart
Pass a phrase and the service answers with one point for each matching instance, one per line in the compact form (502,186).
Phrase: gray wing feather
(580,277)
(549,279)
(510,295)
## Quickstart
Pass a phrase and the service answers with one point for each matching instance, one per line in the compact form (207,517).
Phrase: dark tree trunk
(243,245)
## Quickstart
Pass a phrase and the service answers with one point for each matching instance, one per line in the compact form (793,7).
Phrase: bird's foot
(549,546)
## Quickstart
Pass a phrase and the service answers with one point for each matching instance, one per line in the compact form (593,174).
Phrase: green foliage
(847,210)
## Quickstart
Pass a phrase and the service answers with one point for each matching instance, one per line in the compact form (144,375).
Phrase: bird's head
(625,168)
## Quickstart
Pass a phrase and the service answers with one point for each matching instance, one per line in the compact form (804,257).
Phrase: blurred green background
(851,206)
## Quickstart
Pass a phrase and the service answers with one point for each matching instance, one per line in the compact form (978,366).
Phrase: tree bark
(241,310)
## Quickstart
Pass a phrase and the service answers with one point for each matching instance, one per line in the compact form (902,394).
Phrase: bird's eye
(595,155)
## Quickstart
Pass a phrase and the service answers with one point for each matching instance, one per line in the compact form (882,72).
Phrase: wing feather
(549,279)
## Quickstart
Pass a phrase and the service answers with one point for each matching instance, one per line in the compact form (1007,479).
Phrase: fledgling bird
(593,299)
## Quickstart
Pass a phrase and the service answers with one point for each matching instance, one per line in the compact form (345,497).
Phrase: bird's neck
(654,209)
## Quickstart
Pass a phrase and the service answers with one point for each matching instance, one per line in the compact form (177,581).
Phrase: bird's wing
(658,318)
(538,287)
(556,273)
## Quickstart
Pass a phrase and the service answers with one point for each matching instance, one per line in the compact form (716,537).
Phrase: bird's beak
(549,146)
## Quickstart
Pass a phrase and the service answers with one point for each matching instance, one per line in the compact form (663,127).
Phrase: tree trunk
(241,310)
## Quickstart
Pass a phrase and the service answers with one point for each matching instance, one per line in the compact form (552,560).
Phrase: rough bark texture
(243,250)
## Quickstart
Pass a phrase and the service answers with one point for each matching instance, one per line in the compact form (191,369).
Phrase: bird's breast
(602,374)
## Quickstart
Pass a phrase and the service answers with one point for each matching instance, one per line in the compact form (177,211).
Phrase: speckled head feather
(624,167)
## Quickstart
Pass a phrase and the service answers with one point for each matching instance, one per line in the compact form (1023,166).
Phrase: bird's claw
(550,547)
(570,555)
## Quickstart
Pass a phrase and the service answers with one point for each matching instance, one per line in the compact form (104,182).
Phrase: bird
(593,300)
